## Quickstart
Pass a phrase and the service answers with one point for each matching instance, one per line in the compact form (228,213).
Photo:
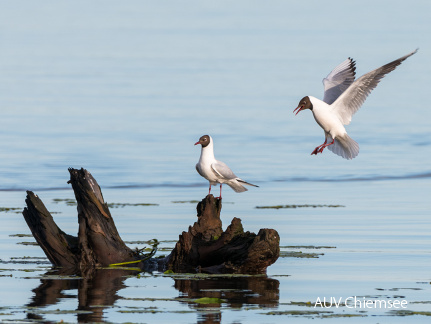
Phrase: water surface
(126,90)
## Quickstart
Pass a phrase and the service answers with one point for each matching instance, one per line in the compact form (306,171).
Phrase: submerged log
(203,248)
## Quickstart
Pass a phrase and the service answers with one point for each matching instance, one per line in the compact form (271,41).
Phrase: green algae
(165,249)
(140,310)
(313,314)
(26,260)
(297,206)
(21,235)
(307,247)
(122,205)
(299,254)
(16,210)
(152,299)
(195,202)
(298,313)
(152,241)
(67,201)
(342,315)
(153,310)
(72,202)
(161,256)
(61,277)
(280,275)
(203,276)
(28,243)
(404,312)
(28,257)
(208,300)
(58,311)
(307,304)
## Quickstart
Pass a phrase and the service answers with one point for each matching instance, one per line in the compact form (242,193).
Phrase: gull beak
(298,109)
(197,143)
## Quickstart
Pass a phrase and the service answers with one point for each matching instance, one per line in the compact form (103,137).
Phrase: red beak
(197,143)
(299,108)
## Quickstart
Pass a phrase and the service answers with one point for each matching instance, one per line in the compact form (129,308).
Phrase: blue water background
(125,90)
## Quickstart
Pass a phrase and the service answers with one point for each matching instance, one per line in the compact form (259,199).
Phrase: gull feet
(318,149)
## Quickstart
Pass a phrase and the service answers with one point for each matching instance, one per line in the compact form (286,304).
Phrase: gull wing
(223,171)
(352,99)
(338,80)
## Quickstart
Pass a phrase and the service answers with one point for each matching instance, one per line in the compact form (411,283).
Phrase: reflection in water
(97,290)
(236,291)
(98,287)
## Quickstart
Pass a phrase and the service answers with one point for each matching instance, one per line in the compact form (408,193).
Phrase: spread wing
(352,99)
(338,80)
(222,170)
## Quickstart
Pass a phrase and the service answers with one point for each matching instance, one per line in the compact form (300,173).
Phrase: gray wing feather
(352,99)
(338,80)
(222,170)
(344,146)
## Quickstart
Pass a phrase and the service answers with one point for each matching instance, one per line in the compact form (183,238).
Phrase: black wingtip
(247,183)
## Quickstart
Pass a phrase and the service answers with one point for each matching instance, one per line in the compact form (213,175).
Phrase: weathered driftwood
(98,242)
(204,248)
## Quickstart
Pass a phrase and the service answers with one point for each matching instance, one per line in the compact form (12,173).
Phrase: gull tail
(344,146)
(237,185)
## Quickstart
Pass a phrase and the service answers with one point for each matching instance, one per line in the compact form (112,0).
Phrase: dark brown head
(204,140)
(304,103)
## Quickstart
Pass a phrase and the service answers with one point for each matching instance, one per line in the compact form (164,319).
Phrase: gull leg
(210,189)
(319,149)
(325,145)
(220,192)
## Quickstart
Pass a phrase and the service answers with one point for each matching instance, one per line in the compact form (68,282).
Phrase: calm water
(125,90)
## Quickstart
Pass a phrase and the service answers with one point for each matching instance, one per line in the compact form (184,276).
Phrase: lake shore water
(126,90)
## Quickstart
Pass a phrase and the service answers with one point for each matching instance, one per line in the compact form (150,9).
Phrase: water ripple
(423,175)
(360,178)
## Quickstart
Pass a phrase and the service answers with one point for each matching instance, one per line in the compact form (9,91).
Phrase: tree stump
(206,248)
(203,248)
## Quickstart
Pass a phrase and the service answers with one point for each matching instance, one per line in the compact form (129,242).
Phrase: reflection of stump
(96,291)
(205,247)
(237,291)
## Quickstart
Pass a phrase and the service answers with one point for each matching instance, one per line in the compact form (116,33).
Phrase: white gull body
(342,98)
(217,171)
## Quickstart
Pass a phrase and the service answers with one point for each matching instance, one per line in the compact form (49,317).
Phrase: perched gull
(342,98)
(216,171)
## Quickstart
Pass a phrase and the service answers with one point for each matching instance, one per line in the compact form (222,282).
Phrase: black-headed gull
(216,171)
(342,98)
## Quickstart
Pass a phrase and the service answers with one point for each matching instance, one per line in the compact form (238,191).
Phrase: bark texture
(206,248)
